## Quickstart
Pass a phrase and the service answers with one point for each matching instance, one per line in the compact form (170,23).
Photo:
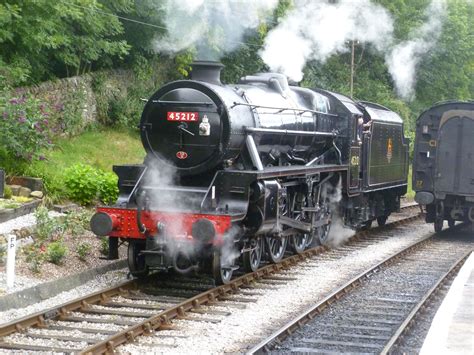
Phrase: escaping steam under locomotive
(241,172)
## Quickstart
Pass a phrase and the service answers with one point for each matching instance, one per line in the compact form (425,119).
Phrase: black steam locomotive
(235,173)
(443,165)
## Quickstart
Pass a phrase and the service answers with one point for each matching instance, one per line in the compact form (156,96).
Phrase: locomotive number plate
(183,116)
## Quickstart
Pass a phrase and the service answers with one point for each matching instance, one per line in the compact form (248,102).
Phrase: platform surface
(452,329)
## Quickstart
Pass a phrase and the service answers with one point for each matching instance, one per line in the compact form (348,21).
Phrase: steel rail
(405,326)
(289,328)
(162,319)
(39,319)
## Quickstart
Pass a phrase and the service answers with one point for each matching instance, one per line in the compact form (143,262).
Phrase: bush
(108,189)
(104,246)
(83,249)
(78,221)
(48,228)
(82,182)
(7,192)
(56,251)
(85,184)
(24,126)
(35,256)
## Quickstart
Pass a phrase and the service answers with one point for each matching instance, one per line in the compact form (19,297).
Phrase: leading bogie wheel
(438,224)
(222,269)
(251,259)
(136,261)
(276,247)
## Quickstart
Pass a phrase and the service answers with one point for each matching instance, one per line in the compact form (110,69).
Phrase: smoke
(213,27)
(318,29)
(315,30)
(403,58)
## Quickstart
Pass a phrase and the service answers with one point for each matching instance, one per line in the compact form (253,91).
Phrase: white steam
(213,27)
(339,232)
(315,30)
(403,59)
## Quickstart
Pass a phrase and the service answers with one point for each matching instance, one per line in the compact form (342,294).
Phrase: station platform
(452,329)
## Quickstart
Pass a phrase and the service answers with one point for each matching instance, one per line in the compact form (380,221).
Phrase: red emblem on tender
(181,155)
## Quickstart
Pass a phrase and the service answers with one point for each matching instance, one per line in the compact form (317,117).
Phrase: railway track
(375,310)
(102,321)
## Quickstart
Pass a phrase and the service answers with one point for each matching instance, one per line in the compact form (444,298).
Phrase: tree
(41,39)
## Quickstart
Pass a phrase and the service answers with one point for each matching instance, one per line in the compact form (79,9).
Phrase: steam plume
(403,59)
(213,27)
(318,29)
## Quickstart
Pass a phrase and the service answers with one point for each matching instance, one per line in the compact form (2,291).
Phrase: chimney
(207,71)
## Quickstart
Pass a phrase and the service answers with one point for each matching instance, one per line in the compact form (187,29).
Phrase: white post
(11,260)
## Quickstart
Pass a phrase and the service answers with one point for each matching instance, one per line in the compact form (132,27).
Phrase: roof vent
(207,71)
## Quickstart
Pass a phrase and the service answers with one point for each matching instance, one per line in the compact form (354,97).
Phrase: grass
(100,148)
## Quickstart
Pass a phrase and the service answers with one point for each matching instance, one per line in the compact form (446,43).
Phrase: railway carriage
(443,165)
(237,173)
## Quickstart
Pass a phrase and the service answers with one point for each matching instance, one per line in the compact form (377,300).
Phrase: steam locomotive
(443,165)
(238,173)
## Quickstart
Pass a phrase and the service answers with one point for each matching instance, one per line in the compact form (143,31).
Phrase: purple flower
(42,157)
(45,122)
(37,127)
(22,119)
(5,115)
(59,107)
(14,101)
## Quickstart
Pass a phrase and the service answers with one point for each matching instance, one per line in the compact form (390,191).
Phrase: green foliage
(47,227)
(85,184)
(448,72)
(183,62)
(104,245)
(7,192)
(24,127)
(9,204)
(82,182)
(78,221)
(108,189)
(70,37)
(56,251)
(35,256)
(3,253)
(83,249)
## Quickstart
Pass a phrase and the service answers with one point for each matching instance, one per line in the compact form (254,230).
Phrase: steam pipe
(254,156)
(186,270)
(290,132)
(141,226)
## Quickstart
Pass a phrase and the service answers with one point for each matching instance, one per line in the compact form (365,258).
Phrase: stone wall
(74,100)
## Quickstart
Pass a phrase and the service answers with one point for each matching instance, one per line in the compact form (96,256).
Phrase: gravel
(406,280)
(99,283)
(273,308)
(27,220)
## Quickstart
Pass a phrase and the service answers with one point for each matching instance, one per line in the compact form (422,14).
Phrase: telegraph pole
(352,68)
